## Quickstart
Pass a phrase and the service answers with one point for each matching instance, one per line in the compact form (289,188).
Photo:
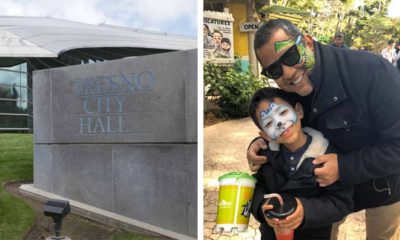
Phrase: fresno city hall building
(35,43)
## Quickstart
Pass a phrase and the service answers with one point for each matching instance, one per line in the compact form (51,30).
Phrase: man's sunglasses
(290,58)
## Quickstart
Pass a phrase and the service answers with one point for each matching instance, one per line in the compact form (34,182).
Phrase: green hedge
(231,87)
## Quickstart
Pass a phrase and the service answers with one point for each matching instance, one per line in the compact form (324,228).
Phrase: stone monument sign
(121,136)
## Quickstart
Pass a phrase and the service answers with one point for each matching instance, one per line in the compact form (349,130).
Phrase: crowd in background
(391,52)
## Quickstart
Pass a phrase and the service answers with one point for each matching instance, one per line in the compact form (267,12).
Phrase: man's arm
(253,158)
(334,204)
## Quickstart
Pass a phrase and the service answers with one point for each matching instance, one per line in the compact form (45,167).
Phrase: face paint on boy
(276,119)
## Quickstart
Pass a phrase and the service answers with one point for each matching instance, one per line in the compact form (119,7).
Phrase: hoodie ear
(299,111)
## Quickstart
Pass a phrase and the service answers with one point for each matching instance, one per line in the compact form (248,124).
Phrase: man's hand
(295,219)
(253,159)
(329,172)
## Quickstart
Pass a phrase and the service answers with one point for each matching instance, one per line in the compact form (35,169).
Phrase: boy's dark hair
(265,32)
(390,42)
(269,93)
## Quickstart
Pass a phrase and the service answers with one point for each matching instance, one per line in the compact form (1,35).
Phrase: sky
(171,16)
(394,8)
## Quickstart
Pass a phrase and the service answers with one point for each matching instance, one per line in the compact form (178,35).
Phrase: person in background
(338,40)
(397,55)
(388,52)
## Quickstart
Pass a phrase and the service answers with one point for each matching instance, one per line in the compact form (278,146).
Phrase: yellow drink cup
(234,201)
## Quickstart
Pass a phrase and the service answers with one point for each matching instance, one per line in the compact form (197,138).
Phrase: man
(388,52)
(352,98)
(338,40)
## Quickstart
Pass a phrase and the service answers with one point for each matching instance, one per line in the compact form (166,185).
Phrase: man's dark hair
(265,32)
(268,94)
(339,35)
(390,42)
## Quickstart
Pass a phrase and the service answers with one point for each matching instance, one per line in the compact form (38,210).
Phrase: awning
(291,14)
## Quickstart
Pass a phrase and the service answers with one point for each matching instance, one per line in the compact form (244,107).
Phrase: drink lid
(237,175)
(281,211)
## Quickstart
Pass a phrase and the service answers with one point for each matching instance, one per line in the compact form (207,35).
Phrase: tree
(365,25)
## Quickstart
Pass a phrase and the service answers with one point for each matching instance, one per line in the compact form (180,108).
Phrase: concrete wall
(122,136)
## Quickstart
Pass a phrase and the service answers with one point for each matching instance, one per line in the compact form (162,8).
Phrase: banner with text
(218,37)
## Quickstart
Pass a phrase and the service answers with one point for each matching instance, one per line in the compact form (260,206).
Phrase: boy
(290,169)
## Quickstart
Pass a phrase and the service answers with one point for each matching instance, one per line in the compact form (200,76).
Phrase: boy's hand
(296,219)
(329,172)
(293,221)
(272,222)
(253,159)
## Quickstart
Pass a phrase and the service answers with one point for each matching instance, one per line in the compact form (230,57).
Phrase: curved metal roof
(49,37)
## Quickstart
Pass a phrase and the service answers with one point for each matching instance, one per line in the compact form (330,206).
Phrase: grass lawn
(16,163)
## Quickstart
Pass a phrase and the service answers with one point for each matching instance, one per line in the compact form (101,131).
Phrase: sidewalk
(225,147)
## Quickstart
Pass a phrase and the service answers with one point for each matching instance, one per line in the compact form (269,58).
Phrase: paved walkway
(225,147)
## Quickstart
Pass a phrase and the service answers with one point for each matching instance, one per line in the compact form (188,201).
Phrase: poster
(218,37)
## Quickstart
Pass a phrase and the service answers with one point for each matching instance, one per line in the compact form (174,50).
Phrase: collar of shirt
(291,159)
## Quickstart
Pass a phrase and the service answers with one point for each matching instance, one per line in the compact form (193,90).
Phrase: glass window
(14,96)
(30,108)
(22,93)
(18,68)
(9,106)
(30,123)
(10,78)
(24,80)
(14,92)
(30,95)
(24,67)
(24,107)
(9,92)
(13,122)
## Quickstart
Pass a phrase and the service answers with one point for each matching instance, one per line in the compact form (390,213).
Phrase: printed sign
(249,26)
(218,37)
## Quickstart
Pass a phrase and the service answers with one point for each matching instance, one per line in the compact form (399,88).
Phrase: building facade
(34,43)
